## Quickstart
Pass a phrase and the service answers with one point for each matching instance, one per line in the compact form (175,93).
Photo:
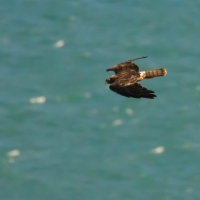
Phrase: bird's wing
(135,90)
(124,66)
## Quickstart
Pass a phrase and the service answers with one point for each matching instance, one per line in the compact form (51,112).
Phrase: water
(64,135)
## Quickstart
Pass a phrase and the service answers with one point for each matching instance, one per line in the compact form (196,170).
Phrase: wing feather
(128,65)
(135,91)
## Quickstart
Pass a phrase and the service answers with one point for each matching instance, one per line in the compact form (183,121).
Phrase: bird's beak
(110,69)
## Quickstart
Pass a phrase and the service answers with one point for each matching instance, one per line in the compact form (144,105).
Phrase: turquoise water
(64,135)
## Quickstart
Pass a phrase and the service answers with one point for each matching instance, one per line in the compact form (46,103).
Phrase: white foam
(59,44)
(158,150)
(87,95)
(40,99)
(129,111)
(13,153)
(117,122)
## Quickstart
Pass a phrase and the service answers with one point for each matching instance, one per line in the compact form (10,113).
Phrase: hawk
(126,78)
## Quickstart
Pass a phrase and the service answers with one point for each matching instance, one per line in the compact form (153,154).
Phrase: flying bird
(126,78)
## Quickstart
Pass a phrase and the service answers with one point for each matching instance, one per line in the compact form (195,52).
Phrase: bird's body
(126,78)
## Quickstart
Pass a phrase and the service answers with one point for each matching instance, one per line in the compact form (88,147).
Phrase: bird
(127,76)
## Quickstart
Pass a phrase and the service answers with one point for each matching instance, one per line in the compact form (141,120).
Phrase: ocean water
(64,135)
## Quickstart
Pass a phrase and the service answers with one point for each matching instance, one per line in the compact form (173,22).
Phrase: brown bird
(126,78)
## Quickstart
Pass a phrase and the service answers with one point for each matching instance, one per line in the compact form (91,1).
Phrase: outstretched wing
(128,65)
(135,90)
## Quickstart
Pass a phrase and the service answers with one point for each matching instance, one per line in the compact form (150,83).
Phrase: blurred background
(64,134)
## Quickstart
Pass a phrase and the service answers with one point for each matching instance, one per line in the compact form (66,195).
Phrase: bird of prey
(126,78)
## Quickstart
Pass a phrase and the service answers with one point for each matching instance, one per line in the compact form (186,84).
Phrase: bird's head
(111,79)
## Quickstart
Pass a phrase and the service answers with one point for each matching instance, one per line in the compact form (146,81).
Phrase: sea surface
(64,135)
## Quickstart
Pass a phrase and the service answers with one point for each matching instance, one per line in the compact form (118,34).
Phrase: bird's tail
(155,72)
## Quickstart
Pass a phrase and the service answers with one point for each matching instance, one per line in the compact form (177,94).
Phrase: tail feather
(155,73)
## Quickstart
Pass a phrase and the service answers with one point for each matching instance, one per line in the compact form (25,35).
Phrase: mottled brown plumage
(126,78)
